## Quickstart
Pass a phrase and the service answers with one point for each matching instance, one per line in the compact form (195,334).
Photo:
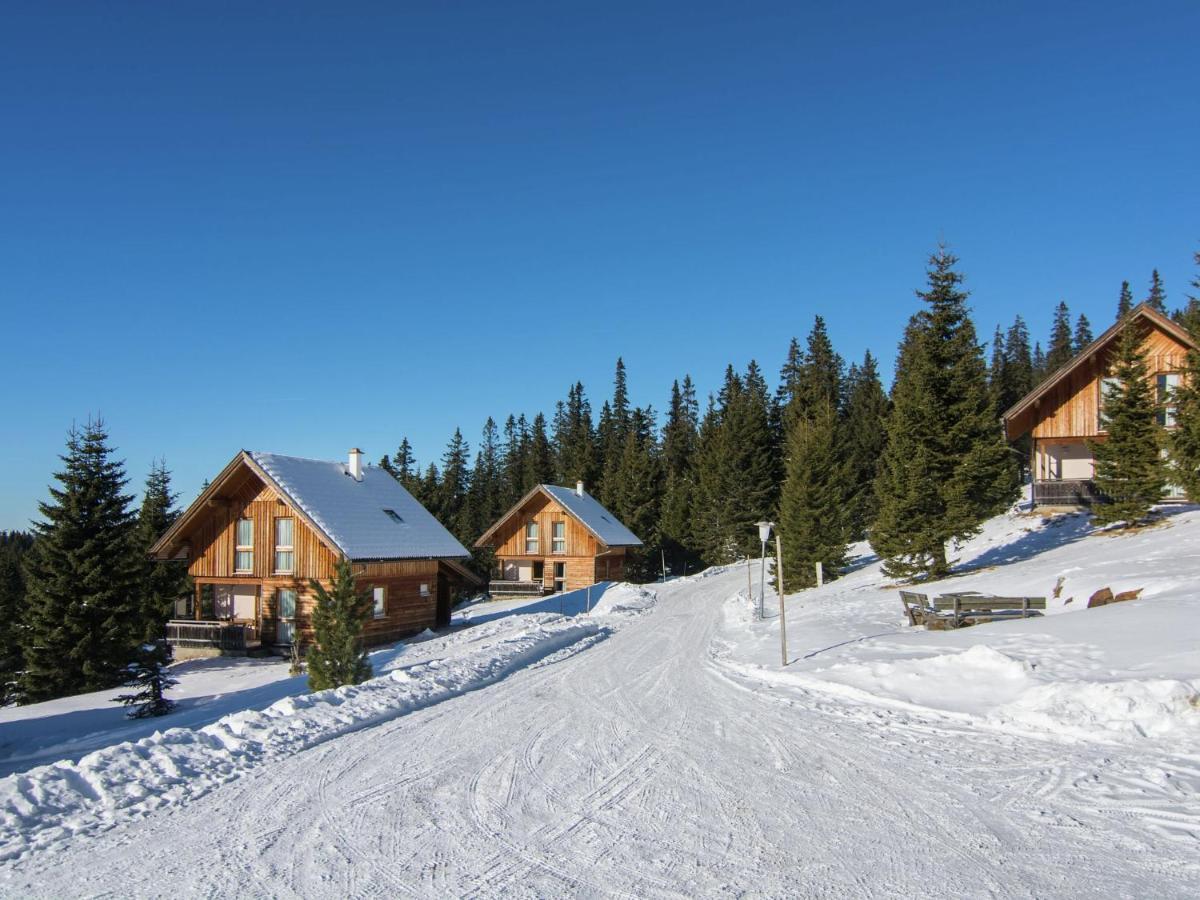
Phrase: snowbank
(54,803)
(1121,708)
(624,599)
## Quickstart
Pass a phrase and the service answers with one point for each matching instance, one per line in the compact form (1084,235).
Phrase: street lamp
(764,535)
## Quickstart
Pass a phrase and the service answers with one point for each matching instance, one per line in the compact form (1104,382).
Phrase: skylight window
(394,516)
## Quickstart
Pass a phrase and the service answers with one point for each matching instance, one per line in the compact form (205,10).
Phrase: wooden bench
(966,608)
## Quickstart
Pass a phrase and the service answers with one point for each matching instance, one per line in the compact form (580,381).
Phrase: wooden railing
(502,586)
(194,634)
(1075,492)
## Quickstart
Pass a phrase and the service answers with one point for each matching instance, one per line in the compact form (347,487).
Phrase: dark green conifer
(539,464)
(453,486)
(1157,298)
(863,436)
(1061,347)
(13,546)
(163,582)
(83,576)
(946,467)
(1083,333)
(1129,467)
(337,656)
(150,678)
(1125,300)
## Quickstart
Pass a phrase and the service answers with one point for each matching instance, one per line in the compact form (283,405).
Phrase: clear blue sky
(304,226)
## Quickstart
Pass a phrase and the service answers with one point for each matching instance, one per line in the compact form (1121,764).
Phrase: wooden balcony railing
(192,634)
(1074,492)
(498,586)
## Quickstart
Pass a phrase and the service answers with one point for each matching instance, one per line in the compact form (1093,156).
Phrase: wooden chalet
(556,539)
(1065,412)
(267,524)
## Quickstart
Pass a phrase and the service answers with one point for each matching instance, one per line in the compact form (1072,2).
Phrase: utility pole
(664,563)
(764,535)
(749,581)
(820,573)
(782,601)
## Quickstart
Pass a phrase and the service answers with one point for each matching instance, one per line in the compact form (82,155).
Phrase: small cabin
(556,539)
(1066,411)
(268,525)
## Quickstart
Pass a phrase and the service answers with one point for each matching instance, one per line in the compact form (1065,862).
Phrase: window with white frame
(285,550)
(424,590)
(379,594)
(558,537)
(243,551)
(1108,384)
(531,537)
(1168,384)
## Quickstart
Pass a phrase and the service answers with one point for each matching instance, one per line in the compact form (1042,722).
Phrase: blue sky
(300,227)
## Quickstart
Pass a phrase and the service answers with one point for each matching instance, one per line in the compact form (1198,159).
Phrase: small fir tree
(812,510)
(149,676)
(13,546)
(1061,347)
(1124,301)
(864,436)
(163,582)
(1129,467)
(1157,298)
(337,656)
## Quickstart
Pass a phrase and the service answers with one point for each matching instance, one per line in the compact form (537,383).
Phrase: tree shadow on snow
(1059,532)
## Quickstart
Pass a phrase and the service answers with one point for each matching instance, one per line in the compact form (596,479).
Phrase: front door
(285,630)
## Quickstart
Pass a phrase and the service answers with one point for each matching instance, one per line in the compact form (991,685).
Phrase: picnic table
(957,609)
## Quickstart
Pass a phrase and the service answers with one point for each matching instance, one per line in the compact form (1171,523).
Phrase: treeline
(829,454)
(85,607)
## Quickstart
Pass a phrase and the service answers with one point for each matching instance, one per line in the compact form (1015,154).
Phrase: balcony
(499,587)
(1074,492)
(194,636)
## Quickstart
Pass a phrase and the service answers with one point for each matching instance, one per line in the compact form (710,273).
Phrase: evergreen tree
(1157,298)
(149,676)
(453,486)
(1129,468)
(83,576)
(1016,377)
(1189,316)
(1039,364)
(812,510)
(1061,347)
(1124,301)
(1185,438)
(996,368)
(516,453)
(428,491)
(1083,333)
(539,464)
(163,582)
(337,656)
(13,546)
(815,381)
(946,467)
(575,439)
(485,495)
(637,493)
(863,438)
(678,452)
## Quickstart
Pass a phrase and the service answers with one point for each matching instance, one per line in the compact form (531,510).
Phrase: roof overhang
(1030,400)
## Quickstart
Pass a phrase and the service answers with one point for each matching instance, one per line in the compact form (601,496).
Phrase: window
(243,557)
(286,632)
(394,516)
(560,577)
(1107,385)
(208,602)
(1167,383)
(285,556)
(380,596)
(531,537)
(558,537)
(424,590)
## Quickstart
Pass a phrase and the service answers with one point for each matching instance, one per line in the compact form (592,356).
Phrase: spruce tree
(1061,347)
(812,509)
(1189,315)
(539,464)
(337,656)
(13,546)
(1157,298)
(163,582)
(946,467)
(151,679)
(863,438)
(575,439)
(83,576)
(637,492)
(1124,301)
(453,486)
(678,453)
(1038,363)
(1185,438)
(1083,333)
(485,494)
(1129,467)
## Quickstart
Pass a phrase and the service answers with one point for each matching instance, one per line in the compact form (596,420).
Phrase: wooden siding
(1071,409)
(212,539)
(509,539)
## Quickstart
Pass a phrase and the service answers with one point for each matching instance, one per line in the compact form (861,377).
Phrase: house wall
(1071,409)
(509,539)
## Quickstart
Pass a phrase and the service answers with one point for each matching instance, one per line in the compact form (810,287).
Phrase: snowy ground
(659,749)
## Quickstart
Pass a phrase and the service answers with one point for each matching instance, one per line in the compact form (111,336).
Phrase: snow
(588,510)
(656,747)
(352,513)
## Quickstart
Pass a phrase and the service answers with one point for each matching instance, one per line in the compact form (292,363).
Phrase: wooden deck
(227,637)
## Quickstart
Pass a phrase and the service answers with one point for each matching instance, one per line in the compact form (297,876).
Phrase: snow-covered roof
(355,514)
(587,509)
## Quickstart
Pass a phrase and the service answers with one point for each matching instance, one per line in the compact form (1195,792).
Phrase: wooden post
(589,599)
(749,580)
(782,602)
(664,563)
(820,574)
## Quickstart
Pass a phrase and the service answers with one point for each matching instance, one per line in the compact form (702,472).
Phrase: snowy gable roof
(595,517)
(375,518)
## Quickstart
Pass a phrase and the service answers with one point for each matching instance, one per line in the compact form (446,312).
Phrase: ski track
(648,767)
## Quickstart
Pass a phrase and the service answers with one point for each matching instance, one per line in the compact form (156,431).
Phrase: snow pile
(1151,708)
(624,599)
(50,804)
(961,682)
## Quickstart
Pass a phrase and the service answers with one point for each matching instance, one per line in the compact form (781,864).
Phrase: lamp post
(764,535)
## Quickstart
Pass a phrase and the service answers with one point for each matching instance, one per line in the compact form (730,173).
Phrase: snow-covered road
(648,766)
